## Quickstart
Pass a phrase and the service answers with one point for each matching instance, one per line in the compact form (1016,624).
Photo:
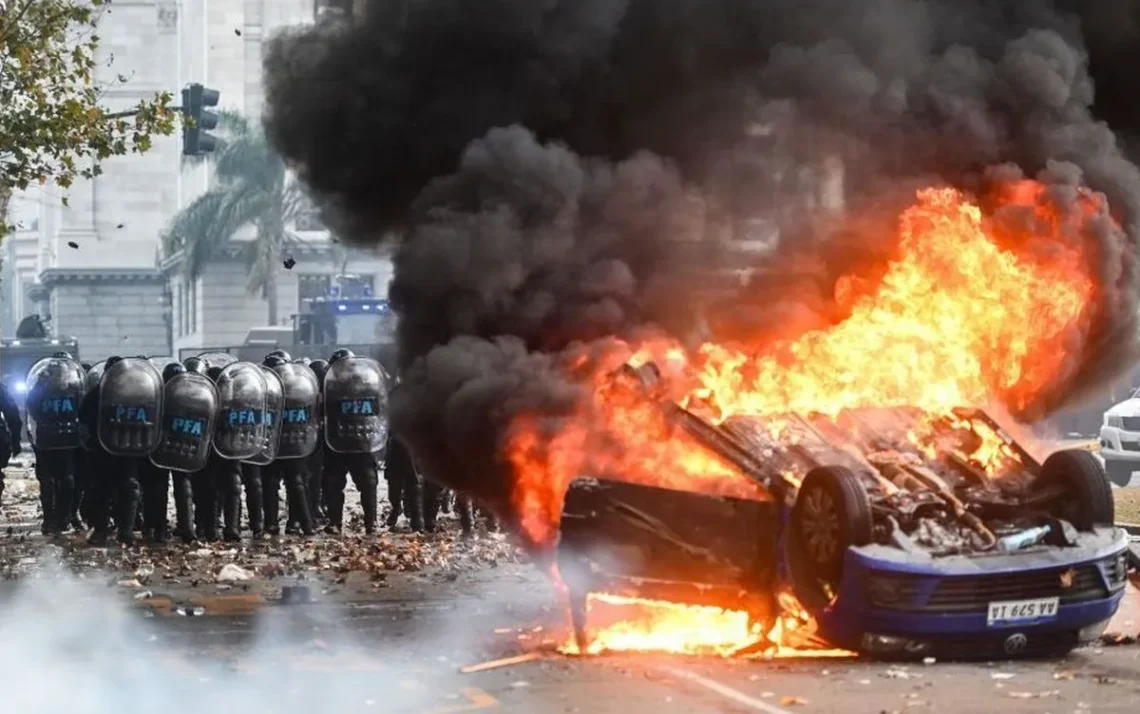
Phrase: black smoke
(558,171)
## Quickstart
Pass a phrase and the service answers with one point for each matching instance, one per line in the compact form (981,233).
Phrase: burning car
(897,532)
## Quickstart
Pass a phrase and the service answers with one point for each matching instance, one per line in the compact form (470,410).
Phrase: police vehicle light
(21,387)
(365,306)
(342,308)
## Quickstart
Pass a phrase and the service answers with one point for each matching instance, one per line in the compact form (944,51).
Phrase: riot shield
(240,432)
(130,407)
(217,359)
(55,391)
(355,406)
(300,411)
(274,396)
(95,374)
(189,415)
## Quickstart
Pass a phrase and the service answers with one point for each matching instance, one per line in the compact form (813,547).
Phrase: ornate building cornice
(55,276)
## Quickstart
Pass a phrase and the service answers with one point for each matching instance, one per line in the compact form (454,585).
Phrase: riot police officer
(238,436)
(127,410)
(406,489)
(11,429)
(56,386)
(297,440)
(356,426)
(314,473)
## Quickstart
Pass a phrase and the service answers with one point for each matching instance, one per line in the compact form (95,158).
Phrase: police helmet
(172,369)
(271,361)
(280,353)
(303,360)
(61,355)
(341,354)
(110,361)
(195,364)
(213,373)
(319,367)
(86,366)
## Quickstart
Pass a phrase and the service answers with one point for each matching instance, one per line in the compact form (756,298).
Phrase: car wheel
(831,514)
(1088,498)
(1119,472)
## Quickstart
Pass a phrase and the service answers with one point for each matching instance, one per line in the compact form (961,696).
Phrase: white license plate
(1021,610)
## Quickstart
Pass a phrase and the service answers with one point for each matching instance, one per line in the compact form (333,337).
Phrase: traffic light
(196,120)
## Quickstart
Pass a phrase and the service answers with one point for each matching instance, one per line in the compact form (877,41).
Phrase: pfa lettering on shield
(243,417)
(295,416)
(64,405)
(358,407)
(187,427)
(131,415)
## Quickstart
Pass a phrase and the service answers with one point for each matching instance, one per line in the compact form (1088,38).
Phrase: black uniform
(55,471)
(155,484)
(11,430)
(406,488)
(251,477)
(362,468)
(98,495)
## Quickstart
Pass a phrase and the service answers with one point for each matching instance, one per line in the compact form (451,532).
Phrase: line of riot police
(111,435)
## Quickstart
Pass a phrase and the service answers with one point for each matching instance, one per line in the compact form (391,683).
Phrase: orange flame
(967,313)
(632,624)
(963,315)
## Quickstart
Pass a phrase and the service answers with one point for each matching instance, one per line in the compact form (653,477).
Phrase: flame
(956,320)
(965,314)
(644,625)
(968,312)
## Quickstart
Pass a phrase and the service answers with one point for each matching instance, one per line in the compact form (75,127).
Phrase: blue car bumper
(894,603)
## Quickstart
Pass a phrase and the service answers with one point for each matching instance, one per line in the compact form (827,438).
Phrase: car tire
(832,513)
(1088,498)
(1119,472)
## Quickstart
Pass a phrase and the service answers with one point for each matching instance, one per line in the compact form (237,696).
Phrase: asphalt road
(407,657)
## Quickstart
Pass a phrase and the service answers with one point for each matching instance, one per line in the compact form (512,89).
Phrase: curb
(1132,529)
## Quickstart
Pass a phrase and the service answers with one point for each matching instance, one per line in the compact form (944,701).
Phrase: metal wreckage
(892,532)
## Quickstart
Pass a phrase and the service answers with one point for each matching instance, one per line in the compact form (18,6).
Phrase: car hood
(1127,408)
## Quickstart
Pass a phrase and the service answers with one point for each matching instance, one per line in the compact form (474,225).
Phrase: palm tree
(251,188)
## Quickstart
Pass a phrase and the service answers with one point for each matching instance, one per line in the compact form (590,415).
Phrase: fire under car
(956,545)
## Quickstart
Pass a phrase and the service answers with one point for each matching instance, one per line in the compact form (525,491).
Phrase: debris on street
(500,663)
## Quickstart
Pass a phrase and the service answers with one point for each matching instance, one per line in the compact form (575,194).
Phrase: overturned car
(903,534)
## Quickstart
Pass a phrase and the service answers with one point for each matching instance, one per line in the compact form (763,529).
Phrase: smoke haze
(559,172)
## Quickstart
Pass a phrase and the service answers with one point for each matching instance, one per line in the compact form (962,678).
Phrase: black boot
(466,515)
(367,485)
(254,501)
(433,496)
(297,496)
(184,507)
(271,498)
(128,514)
(395,497)
(414,501)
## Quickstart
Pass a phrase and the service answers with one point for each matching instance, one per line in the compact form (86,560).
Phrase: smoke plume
(560,171)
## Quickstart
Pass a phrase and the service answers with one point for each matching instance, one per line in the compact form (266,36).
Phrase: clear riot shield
(240,431)
(356,406)
(55,391)
(300,411)
(189,415)
(274,395)
(130,407)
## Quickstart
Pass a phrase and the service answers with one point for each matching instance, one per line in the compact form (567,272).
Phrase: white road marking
(727,692)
